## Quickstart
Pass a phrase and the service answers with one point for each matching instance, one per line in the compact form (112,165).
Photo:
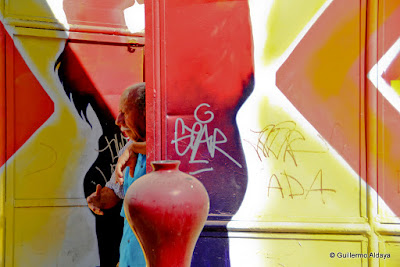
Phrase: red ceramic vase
(167,210)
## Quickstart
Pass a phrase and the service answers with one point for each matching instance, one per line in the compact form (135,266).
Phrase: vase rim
(159,165)
(167,161)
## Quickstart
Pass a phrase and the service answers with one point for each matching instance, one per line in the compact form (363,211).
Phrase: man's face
(131,121)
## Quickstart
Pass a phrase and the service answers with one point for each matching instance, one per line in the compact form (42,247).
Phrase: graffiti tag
(281,141)
(113,146)
(189,139)
(278,140)
(296,188)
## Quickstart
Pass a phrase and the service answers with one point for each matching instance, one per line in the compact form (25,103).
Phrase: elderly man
(132,121)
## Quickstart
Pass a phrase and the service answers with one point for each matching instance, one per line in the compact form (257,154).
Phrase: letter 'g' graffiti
(189,139)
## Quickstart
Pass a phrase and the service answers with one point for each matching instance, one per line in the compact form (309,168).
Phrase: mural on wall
(301,164)
(95,75)
(308,125)
(289,158)
(66,87)
(286,111)
(43,145)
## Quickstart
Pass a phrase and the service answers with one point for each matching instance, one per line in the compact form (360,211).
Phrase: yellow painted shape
(46,166)
(28,9)
(286,20)
(395,84)
(2,215)
(63,224)
(35,236)
(298,162)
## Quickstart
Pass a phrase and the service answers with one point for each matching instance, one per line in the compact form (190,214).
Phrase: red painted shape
(322,74)
(391,33)
(90,70)
(339,110)
(388,127)
(32,106)
(388,154)
(206,57)
(2,94)
(203,55)
(167,210)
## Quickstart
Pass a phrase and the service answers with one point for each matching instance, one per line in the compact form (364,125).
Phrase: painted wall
(64,66)
(287,111)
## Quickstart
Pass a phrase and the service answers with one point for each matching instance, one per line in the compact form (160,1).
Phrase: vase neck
(164,165)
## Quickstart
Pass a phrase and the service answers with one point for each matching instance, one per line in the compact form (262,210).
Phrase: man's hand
(102,198)
(129,158)
(94,201)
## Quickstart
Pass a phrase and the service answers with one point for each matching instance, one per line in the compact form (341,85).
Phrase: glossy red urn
(167,210)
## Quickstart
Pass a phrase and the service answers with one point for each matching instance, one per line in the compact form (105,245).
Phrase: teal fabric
(131,254)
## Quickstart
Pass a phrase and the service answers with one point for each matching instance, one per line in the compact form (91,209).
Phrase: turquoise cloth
(130,252)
